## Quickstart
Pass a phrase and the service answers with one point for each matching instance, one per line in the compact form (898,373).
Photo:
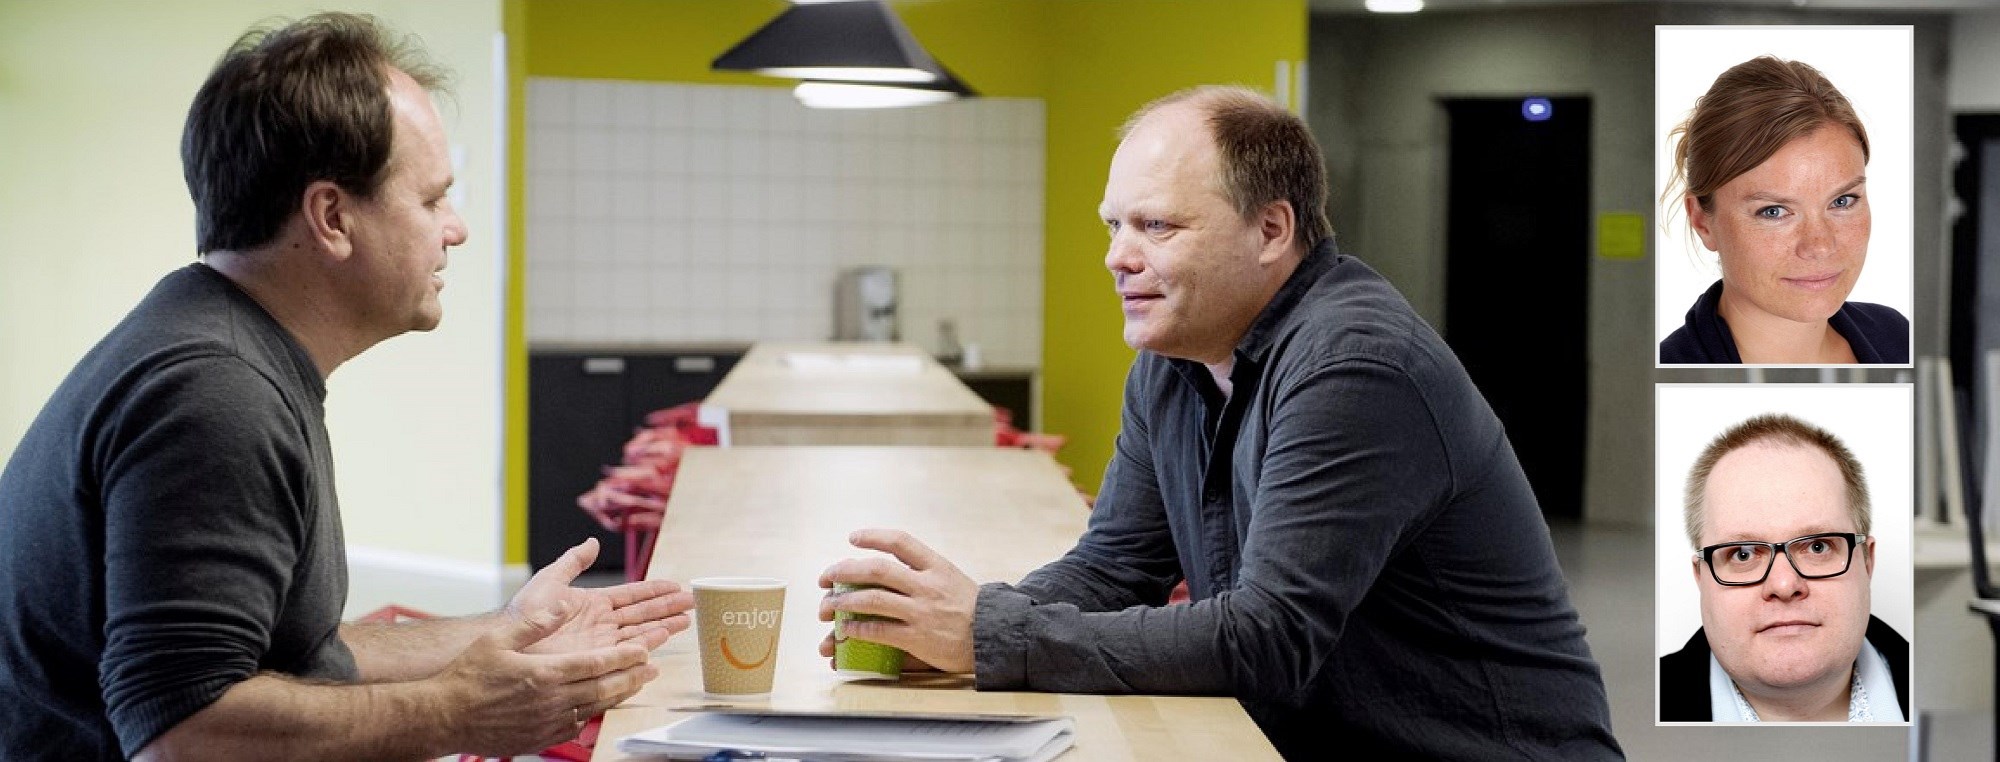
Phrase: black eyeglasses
(1814,556)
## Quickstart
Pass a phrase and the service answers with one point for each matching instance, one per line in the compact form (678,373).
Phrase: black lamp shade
(860,40)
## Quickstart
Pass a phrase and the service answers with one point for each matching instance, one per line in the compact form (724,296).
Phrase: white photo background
(1872,66)
(1873,420)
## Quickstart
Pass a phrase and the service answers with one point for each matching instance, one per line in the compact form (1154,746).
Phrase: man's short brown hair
(1268,155)
(287,107)
(1779,429)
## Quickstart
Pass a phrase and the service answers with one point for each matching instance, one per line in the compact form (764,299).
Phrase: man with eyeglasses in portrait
(1786,640)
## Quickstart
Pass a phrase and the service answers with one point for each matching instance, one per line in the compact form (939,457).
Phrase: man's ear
(1277,229)
(1699,220)
(328,214)
(1868,555)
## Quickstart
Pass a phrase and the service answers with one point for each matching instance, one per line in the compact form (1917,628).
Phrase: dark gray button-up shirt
(1369,568)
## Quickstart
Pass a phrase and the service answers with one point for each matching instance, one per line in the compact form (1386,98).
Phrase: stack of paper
(850,737)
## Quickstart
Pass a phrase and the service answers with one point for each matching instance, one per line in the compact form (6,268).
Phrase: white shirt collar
(1875,689)
(1725,703)
(1872,697)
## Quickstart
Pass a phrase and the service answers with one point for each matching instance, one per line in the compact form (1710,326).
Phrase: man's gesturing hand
(498,700)
(931,597)
(636,612)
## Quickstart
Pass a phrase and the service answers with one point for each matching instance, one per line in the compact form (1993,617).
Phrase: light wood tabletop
(997,513)
(845,393)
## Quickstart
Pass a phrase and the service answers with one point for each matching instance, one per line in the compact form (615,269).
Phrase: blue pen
(734,755)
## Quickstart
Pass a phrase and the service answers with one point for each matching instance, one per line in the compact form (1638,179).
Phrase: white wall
(93,211)
(668,212)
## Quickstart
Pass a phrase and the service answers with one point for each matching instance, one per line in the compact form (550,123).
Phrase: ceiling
(1355,6)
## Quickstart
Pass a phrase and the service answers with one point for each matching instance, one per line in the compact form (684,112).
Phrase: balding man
(1792,641)
(1369,570)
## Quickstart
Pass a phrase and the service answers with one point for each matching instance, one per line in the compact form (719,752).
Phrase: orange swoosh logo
(739,663)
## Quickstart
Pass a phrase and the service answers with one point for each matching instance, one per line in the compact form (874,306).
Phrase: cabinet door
(577,425)
(582,409)
(1013,391)
(665,380)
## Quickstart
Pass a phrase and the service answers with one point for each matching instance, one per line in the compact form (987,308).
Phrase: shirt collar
(1871,671)
(1725,703)
(1256,343)
(1875,689)
(302,362)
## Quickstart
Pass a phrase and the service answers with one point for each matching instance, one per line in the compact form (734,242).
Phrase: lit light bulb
(853,95)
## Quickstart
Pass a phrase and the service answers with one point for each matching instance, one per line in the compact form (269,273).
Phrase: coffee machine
(864,305)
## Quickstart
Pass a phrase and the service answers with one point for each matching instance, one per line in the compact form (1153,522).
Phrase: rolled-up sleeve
(202,528)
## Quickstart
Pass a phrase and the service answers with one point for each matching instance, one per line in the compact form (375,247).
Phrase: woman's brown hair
(1751,111)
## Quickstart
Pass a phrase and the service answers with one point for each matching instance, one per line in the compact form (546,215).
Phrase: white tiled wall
(672,212)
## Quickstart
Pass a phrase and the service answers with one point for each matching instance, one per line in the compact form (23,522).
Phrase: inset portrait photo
(1783,575)
(1782,174)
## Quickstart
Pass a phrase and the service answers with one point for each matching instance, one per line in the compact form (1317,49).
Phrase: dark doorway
(1516,277)
(1974,331)
(1973,325)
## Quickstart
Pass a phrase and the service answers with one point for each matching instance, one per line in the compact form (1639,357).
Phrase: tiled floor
(1615,596)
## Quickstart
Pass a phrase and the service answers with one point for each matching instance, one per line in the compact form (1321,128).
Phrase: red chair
(632,497)
(1006,435)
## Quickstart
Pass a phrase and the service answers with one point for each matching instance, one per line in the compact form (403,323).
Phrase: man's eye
(1818,547)
(1155,226)
(1771,213)
(1739,555)
(1847,201)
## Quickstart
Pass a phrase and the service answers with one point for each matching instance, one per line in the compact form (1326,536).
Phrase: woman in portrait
(1771,170)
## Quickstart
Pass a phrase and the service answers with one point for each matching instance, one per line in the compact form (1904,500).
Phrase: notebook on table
(737,733)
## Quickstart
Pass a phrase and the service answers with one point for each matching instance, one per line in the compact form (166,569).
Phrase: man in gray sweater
(172,562)
(1370,573)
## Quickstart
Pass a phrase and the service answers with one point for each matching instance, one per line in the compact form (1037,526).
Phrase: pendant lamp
(850,54)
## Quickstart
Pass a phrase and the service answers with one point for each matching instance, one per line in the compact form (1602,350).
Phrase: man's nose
(1123,254)
(455,231)
(1784,582)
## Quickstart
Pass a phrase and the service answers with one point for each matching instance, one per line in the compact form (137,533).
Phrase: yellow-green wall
(1091,61)
(514,327)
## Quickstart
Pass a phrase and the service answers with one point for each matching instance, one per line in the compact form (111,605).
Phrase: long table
(786,512)
(845,394)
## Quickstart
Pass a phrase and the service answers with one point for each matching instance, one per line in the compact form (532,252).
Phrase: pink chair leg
(638,553)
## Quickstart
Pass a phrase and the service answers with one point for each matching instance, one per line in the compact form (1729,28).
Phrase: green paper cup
(862,658)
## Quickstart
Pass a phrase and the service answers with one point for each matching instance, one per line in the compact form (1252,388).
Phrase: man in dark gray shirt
(1370,573)
(171,559)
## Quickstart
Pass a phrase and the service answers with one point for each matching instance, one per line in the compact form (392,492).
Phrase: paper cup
(862,658)
(738,619)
